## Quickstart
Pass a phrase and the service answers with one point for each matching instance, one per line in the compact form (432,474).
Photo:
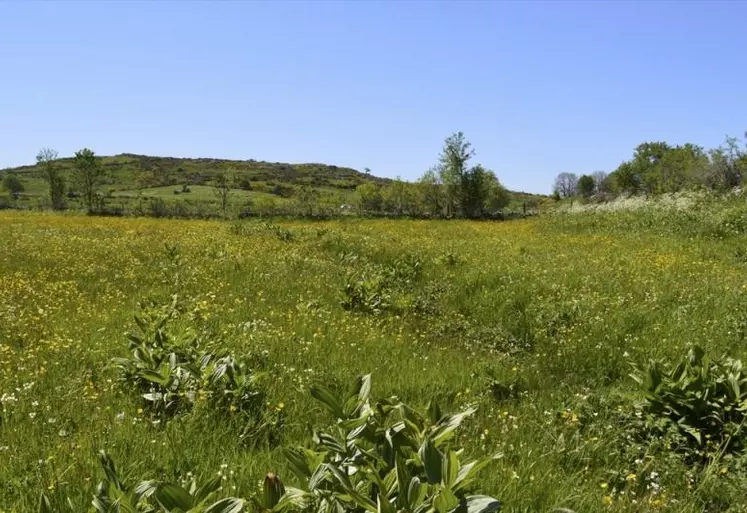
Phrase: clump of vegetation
(252,228)
(658,167)
(171,374)
(12,184)
(114,494)
(380,287)
(385,456)
(701,403)
(379,457)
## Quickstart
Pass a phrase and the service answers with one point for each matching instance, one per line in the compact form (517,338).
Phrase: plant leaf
(229,505)
(325,396)
(44,505)
(445,501)
(172,496)
(431,458)
(444,430)
(450,470)
(206,489)
(482,504)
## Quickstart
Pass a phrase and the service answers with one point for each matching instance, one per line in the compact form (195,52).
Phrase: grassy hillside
(132,180)
(129,175)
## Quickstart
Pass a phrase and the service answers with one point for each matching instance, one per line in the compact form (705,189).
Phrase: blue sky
(538,87)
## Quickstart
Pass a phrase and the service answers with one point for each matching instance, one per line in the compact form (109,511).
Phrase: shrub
(12,184)
(171,375)
(366,294)
(114,495)
(158,208)
(381,287)
(701,402)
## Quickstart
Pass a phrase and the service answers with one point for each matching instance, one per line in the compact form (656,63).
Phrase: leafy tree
(497,195)
(585,185)
(680,166)
(565,184)
(647,163)
(369,197)
(657,167)
(431,192)
(413,200)
(87,173)
(395,197)
(452,165)
(307,199)
(222,185)
(728,165)
(46,159)
(626,178)
(476,188)
(602,183)
(12,184)
(144,178)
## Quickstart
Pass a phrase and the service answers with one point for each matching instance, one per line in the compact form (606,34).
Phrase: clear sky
(538,87)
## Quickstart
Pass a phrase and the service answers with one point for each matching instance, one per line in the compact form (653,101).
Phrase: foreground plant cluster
(596,356)
(380,457)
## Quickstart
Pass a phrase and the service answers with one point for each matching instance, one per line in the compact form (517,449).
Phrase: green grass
(554,309)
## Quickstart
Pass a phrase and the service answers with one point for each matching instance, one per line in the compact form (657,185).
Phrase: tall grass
(535,322)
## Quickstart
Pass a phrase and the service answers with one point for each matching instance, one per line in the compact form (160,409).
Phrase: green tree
(308,199)
(431,192)
(626,178)
(728,165)
(681,166)
(46,159)
(498,197)
(87,173)
(657,167)
(466,191)
(452,165)
(395,197)
(369,198)
(585,185)
(647,163)
(476,186)
(223,183)
(12,184)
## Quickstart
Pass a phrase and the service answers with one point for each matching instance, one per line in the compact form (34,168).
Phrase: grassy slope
(558,305)
(163,175)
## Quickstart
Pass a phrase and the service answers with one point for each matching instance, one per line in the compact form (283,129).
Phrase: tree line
(659,167)
(451,188)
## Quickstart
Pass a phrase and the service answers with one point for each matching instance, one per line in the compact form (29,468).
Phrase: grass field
(535,322)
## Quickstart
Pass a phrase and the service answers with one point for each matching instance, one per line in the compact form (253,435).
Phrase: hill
(184,185)
(129,171)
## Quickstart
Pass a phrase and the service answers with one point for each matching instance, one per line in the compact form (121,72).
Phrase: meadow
(537,323)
